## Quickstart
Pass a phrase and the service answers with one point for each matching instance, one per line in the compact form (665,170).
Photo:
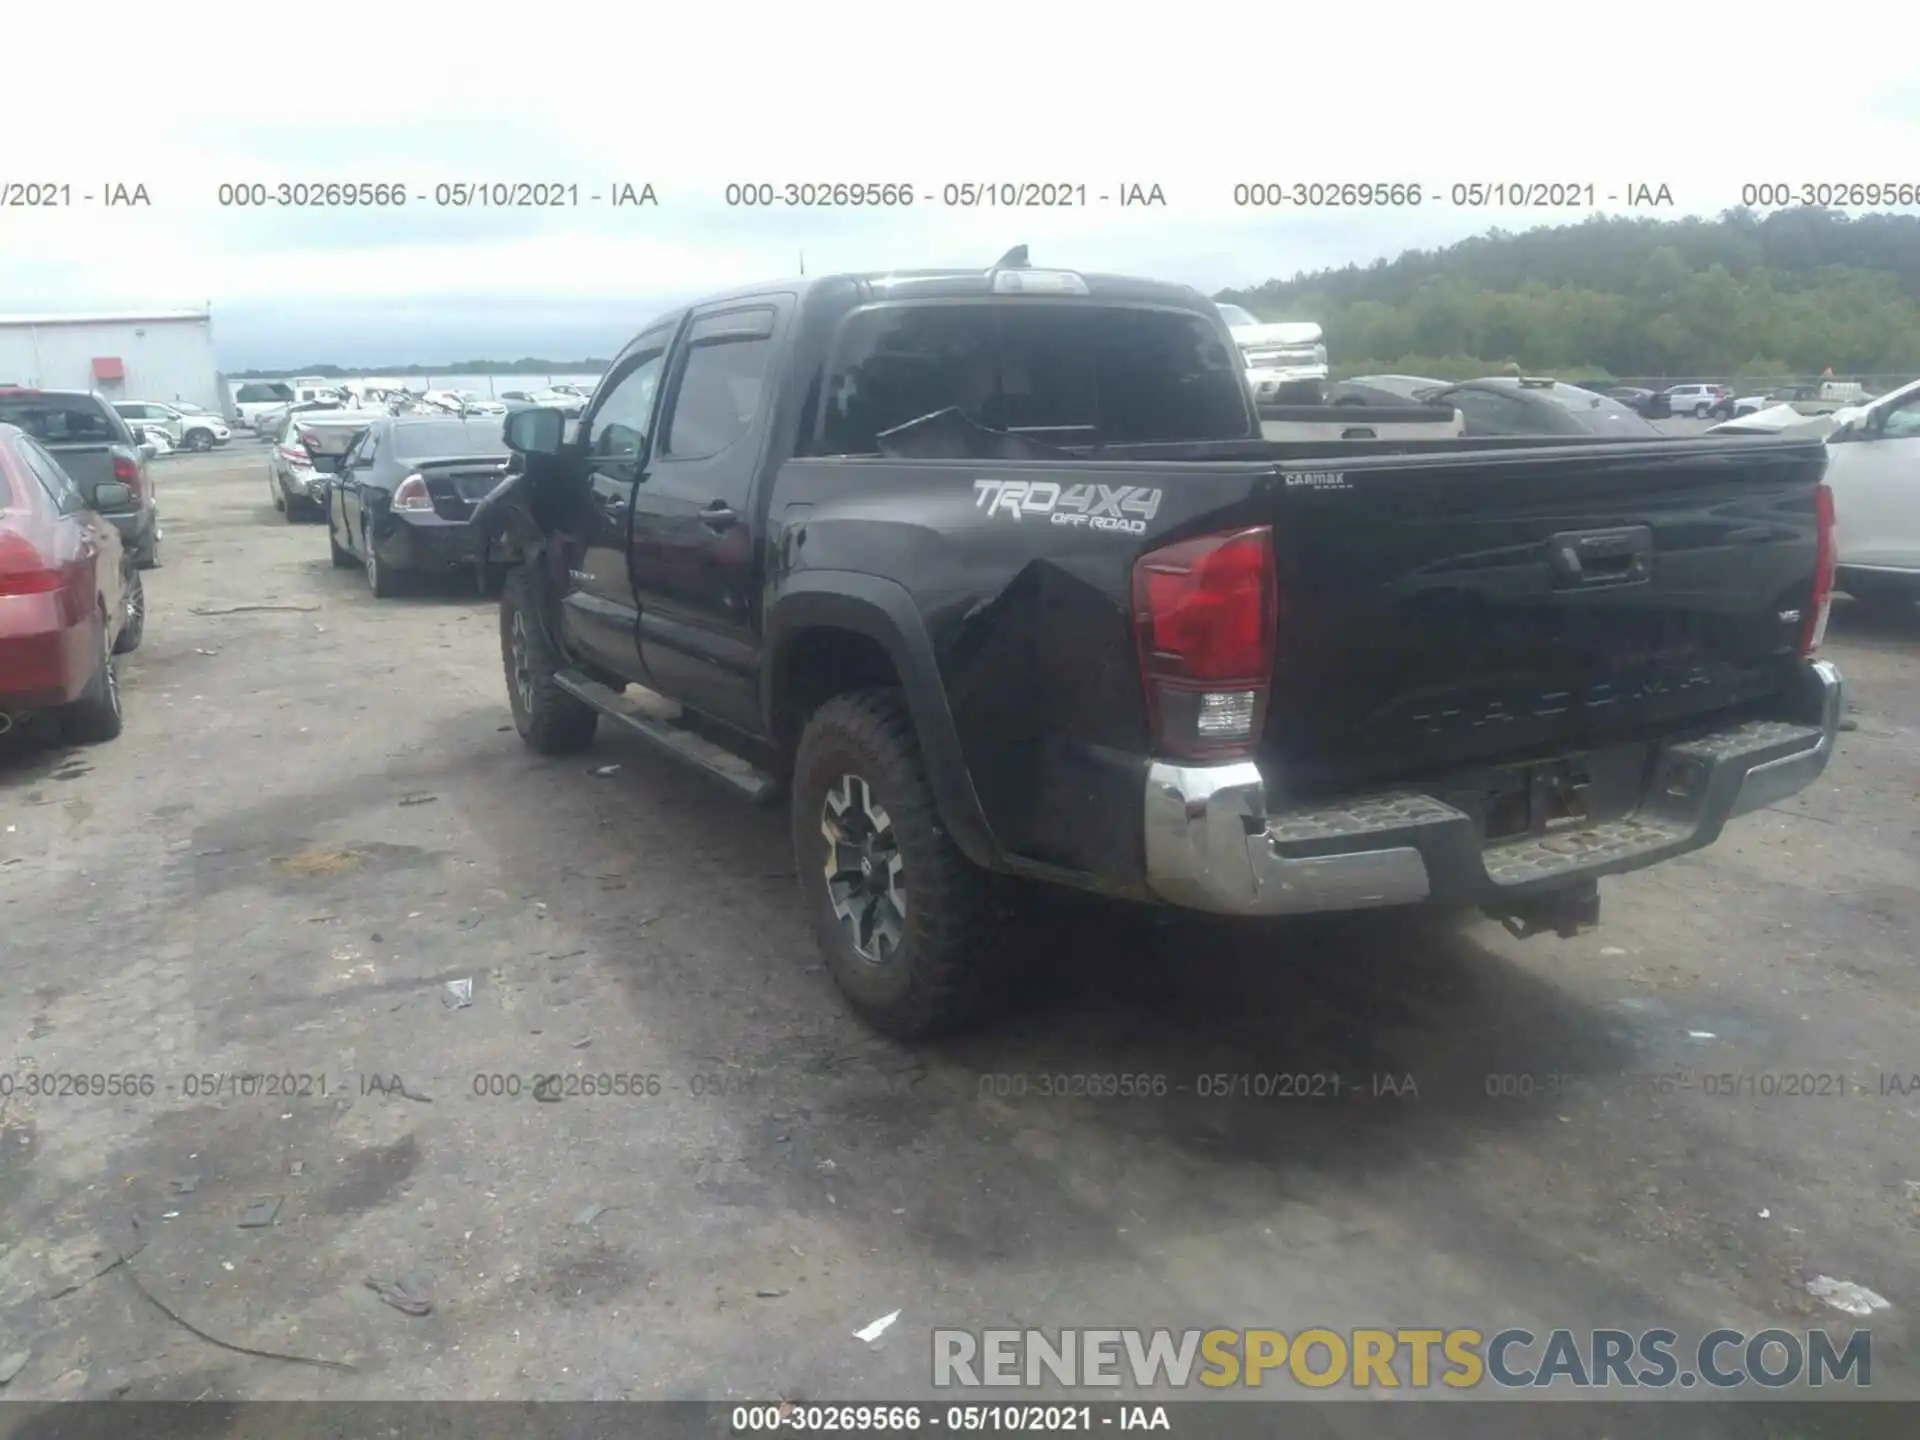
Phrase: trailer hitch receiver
(1565,912)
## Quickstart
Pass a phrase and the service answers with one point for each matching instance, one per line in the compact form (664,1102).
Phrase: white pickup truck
(1286,361)
(1873,469)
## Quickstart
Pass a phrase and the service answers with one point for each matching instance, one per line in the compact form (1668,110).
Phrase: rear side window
(1070,374)
(55,421)
(257,394)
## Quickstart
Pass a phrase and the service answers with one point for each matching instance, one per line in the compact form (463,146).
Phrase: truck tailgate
(87,465)
(1440,610)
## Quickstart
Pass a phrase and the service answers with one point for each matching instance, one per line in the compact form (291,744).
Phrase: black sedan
(1511,405)
(400,502)
(1648,404)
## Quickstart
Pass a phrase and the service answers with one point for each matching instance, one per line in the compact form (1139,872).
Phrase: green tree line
(1796,292)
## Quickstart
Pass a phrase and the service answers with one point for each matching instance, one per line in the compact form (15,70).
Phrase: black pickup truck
(993,575)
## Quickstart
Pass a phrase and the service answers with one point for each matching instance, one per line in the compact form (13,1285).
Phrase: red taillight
(1205,612)
(23,569)
(412,495)
(310,440)
(125,470)
(295,455)
(1824,561)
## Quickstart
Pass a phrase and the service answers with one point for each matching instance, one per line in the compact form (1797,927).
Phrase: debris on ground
(459,993)
(404,1293)
(421,799)
(206,652)
(317,860)
(582,1042)
(878,1328)
(12,1365)
(601,772)
(184,1185)
(590,1214)
(1844,1295)
(250,609)
(261,1213)
(769,1292)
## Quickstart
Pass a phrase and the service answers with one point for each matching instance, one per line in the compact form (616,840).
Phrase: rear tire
(95,716)
(134,629)
(911,928)
(342,559)
(1702,410)
(549,720)
(288,507)
(385,583)
(147,557)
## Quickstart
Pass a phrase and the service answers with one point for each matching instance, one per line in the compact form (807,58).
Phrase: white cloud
(1194,99)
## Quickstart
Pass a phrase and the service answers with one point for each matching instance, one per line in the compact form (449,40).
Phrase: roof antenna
(1014,259)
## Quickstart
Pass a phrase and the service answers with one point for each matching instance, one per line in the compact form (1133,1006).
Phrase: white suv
(1701,400)
(188,427)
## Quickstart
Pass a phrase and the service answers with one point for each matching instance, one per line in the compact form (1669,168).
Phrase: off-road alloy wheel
(908,925)
(551,721)
(95,716)
(133,627)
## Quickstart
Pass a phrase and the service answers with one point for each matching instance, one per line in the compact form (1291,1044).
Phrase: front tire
(549,720)
(1702,410)
(95,717)
(199,441)
(909,927)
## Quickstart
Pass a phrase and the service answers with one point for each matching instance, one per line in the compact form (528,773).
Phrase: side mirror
(111,495)
(535,432)
(148,450)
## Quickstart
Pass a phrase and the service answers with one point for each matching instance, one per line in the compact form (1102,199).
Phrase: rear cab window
(1065,373)
(62,419)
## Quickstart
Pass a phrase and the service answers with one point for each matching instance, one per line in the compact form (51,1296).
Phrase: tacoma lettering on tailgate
(1124,509)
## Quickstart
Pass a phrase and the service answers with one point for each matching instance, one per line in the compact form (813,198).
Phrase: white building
(161,355)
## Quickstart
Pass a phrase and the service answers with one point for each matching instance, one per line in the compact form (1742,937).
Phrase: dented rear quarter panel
(1025,599)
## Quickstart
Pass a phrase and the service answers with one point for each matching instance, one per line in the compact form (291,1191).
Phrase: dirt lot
(318,816)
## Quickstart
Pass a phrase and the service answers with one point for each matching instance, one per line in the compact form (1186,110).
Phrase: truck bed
(1429,620)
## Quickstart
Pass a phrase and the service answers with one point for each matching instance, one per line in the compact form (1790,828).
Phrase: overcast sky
(1193,98)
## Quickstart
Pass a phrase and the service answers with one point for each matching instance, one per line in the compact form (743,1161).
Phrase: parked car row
(396,491)
(1503,404)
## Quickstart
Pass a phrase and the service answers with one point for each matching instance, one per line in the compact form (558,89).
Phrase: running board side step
(652,718)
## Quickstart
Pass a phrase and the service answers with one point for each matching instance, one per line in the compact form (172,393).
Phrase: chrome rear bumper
(1212,844)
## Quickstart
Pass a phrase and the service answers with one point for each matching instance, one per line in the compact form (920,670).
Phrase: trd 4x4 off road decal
(1124,509)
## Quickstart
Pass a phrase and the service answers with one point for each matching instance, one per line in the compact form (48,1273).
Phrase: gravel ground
(318,816)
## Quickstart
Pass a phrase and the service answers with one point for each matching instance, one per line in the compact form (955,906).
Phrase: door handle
(719,516)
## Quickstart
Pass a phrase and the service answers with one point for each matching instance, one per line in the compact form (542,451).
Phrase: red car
(71,600)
